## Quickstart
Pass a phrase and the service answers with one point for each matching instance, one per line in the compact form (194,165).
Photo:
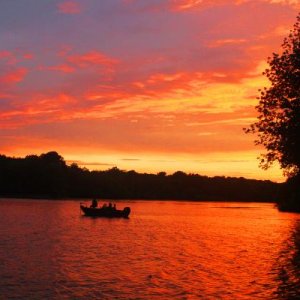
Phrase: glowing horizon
(160,86)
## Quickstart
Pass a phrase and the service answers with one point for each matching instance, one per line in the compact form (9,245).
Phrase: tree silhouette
(48,176)
(278,125)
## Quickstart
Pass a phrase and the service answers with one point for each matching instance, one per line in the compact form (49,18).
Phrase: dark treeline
(48,176)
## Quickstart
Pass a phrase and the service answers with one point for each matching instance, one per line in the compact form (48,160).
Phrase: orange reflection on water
(166,250)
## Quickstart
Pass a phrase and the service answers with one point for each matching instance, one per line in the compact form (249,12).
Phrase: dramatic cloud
(167,84)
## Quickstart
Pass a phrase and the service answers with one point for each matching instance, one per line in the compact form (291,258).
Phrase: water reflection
(166,250)
(288,266)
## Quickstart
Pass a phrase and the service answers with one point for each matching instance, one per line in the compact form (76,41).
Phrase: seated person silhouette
(94,203)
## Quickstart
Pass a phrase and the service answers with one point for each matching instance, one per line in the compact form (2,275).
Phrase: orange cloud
(293,3)
(226,42)
(186,4)
(161,93)
(69,7)
(183,5)
(279,31)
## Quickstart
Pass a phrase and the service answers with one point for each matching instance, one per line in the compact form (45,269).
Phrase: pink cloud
(65,68)
(69,7)
(74,63)
(14,57)
(91,58)
(28,56)
(39,109)
(8,57)
(13,76)
(5,54)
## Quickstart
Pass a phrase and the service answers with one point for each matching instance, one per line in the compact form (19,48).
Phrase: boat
(105,211)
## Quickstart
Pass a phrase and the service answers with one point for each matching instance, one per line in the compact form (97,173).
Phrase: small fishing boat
(105,211)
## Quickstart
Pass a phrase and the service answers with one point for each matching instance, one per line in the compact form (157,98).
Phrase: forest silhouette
(49,176)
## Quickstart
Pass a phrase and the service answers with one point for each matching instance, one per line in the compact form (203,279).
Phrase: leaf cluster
(278,124)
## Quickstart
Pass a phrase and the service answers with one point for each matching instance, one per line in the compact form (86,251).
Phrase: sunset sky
(149,85)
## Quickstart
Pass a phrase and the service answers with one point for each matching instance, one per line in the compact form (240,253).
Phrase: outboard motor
(126,211)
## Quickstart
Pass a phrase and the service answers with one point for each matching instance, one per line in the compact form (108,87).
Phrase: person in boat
(94,203)
(112,206)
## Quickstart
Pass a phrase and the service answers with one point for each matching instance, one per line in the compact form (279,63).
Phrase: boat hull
(105,212)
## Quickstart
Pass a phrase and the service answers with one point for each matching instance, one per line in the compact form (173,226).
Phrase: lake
(165,250)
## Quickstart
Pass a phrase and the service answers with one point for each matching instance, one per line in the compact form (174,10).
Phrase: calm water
(166,250)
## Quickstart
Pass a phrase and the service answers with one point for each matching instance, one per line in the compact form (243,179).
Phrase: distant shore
(49,177)
(101,200)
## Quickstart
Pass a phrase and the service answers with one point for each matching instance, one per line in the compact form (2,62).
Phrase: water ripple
(166,250)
